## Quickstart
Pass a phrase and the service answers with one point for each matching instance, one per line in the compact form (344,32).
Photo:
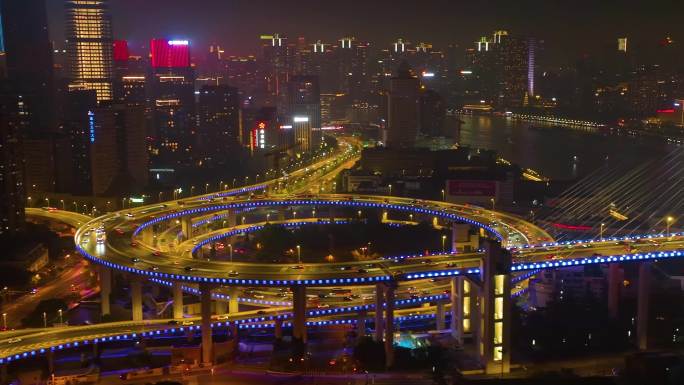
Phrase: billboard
(471,188)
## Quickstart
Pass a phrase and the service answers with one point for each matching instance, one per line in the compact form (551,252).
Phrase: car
(261,312)
(34,291)
(189,268)
(172,322)
(297,267)
(345,268)
(13,340)
(134,244)
(129,215)
(135,260)
(156,253)
(362,271)
(187,323)
(153,268)
(323,306)
(233,273)
(259,296)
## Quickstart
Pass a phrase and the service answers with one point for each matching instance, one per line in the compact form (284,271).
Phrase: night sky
(570,27)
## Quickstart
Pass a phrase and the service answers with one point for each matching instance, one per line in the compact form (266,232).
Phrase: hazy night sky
(568,27)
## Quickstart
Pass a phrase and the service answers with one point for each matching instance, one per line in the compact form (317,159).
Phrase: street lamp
(390,190)
(29,201)
(601,231)
(62,202)
(159,196)
(493,203)
(44,319)
(299,254)
(60,316)
(4,321)
(192,190)
(443,195)
(206,188)
(668,222)
(230,247)
(294,215)
(444,244)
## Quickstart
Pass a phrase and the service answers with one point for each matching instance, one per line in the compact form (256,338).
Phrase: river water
(556,153)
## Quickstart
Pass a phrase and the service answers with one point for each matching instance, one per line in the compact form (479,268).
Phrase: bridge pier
(220,307)
(278,329)
(186,227)
(457,300)
(177,289)
(613,290)
(379,302)
(136,298)
(105,289)
(440,317)
(494,341)
(389,326)
(233,306)
(205,312)
(361,325)
(299,313)
(643,303)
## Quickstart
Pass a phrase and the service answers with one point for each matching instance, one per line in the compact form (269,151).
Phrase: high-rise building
(79,125)
(12,122)
(304,101)
(278,60)
(219,122)
(29,59)
(173,96)
(90,46)
(117,149)
(352,70)
(402,109)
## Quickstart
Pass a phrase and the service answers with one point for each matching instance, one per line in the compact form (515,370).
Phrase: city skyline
(236,26)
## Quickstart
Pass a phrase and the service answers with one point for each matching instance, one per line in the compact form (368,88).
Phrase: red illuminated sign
(472,188)
(169,54)
(120,50)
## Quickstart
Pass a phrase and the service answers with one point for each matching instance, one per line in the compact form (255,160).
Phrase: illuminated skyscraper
(90,46)
(305,106)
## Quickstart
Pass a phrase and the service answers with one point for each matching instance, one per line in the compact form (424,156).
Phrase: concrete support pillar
(220,307)
(361,325)
(136,298)
(496,297)
(299,310)
(186,227)
(4,377)
(379,301)
(278,329)
(613,289)
(105,288)
(50,356)
(389,326)
(440,317)
(177,289)
(233,306)
(643,305)
(205,312)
